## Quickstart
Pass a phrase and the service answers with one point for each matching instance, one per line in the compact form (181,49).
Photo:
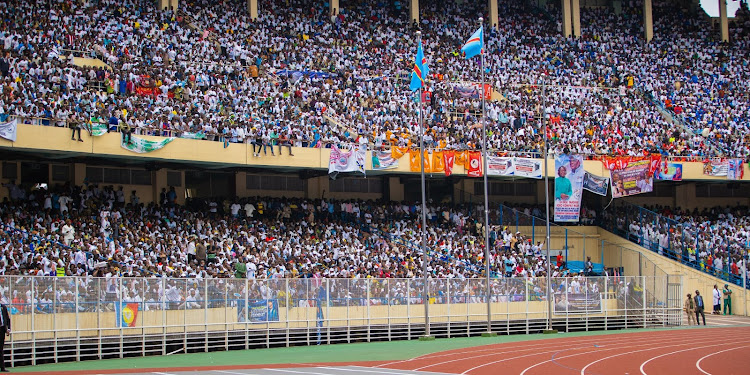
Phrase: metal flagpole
(486,196)
(425,289)
(546,206)
(744,281)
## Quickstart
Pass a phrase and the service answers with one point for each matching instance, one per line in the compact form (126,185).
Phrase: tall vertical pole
(744,281)
(546,206)
(486,195)
(425,289)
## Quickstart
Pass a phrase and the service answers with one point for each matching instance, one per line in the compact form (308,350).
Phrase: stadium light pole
(425,289)
(546,204)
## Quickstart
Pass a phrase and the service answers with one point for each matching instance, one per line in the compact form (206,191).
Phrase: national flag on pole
(474,45)
(420,70)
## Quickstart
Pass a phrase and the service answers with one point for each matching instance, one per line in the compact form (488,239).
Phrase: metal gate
(674,301)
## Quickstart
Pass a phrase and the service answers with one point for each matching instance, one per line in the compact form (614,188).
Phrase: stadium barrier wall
(57,140)
(75,318)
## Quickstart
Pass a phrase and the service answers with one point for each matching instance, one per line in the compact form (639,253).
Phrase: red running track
(719,351)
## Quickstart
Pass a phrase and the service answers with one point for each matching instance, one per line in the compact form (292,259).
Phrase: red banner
(448,158)
(616,163)
(475,164)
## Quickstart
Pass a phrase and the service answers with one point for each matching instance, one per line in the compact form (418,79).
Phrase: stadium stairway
(675,120)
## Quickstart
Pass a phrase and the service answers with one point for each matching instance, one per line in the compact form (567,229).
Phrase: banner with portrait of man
(633,179)
(569,176)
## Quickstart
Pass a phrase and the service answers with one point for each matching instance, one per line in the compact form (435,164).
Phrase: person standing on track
(727,300)
(690,310)
(699,307)
(717,300)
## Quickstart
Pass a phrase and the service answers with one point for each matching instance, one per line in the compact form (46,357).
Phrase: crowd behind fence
(678,241)
(49,314)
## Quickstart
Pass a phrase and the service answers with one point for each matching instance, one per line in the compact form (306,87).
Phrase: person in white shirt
(717,300)
(249,209)
(235,208)
(68,232)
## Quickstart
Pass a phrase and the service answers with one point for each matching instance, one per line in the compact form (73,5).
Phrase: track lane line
(639,339)
(698,362)
(583,370)
(501,346)
(569,345)
(687,350)
(671,339)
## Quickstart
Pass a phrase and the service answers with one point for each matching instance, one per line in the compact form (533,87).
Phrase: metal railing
(670,238)
(77,318)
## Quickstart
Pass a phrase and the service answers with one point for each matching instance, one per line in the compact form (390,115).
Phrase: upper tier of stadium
(299,74)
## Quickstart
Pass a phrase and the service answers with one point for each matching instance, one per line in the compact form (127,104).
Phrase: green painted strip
(375,351)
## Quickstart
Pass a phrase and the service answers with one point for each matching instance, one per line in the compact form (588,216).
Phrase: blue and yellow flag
(420,71)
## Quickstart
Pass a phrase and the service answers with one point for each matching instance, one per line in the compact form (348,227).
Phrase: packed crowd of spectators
(99,231)
(714,240)
(102,234)
(299,76)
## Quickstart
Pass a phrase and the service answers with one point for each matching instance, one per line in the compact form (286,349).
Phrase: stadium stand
(175,77)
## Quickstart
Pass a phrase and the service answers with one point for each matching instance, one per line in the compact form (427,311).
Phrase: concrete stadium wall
(48,139)
(89,324)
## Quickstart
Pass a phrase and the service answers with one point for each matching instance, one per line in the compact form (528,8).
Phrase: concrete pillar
(566,19)
(165,4)
(648,20)
(414,11)
(494,20)
(252,9)
(724,20)
(576,5)
(333,7)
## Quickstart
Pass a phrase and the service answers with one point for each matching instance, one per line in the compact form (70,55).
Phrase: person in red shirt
(559,259)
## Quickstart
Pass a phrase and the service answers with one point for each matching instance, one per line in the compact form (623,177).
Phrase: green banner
(143,146)
(98,129)
(198,135)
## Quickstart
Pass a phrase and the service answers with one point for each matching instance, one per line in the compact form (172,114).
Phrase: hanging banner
(9,130)
(198,135)
(614,163)
(568,187)
(414,161)
(529,168)
(715,167)
(143,146)
(438,164)
(500,166)
(99,129)
(634,179)
(383,160)
(475,164)
(462,159)
(346,160)
(427,159)
(735,169)
(449,158)
(669,172)
(125,314)
(398,152)
(259,311)
(595,184)
(578,303)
